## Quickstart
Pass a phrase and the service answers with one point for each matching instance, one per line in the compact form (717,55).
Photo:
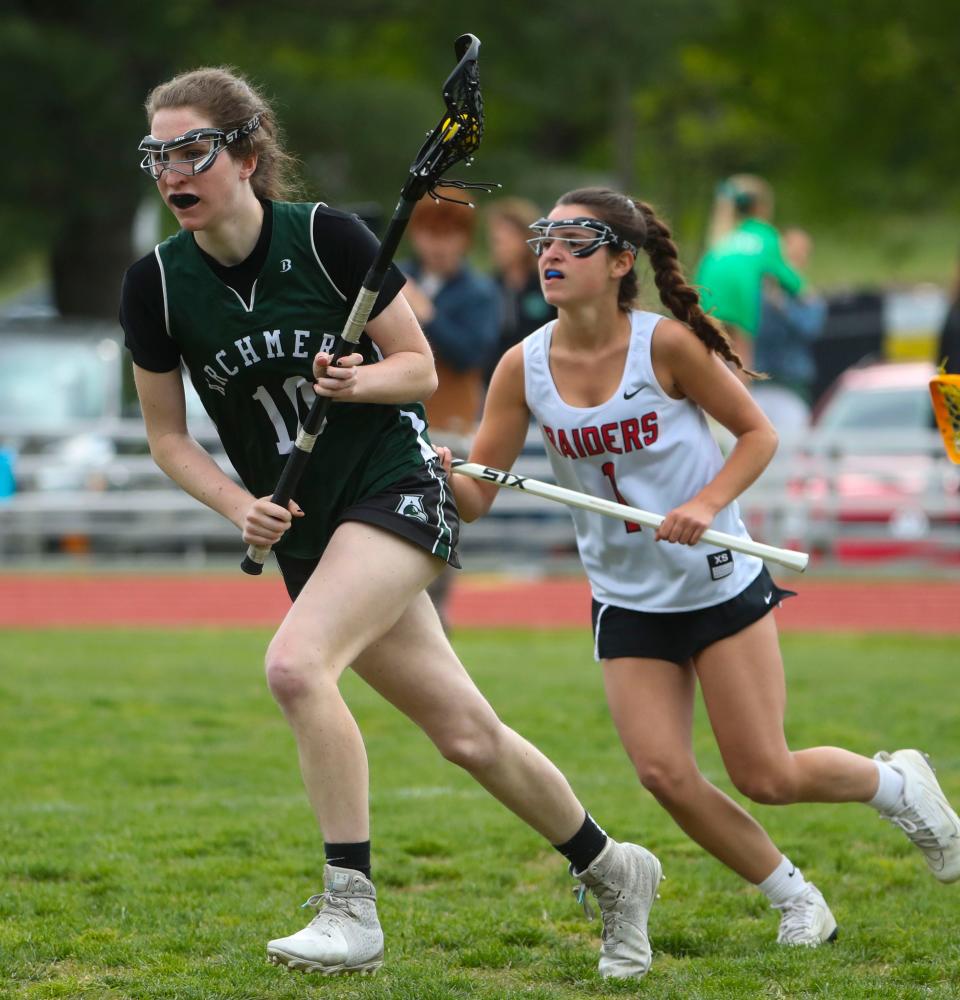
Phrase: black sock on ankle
(356,856)
(584,845)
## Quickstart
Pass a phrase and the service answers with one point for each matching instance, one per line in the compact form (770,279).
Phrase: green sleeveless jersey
(251,364)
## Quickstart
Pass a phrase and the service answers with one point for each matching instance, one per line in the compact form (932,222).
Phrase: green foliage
(154,832)
(848,108)
(846,104)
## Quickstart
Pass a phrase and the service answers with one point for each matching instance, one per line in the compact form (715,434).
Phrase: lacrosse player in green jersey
(249,296)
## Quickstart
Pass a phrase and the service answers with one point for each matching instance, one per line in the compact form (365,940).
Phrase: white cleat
(624,879)
(344,936)
(805,919)
(924,814)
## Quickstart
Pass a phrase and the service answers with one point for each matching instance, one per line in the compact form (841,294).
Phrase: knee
(767,784)
(288,676)
(475,744)
(667,780)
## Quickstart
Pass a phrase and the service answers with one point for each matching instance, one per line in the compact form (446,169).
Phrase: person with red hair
(458,309)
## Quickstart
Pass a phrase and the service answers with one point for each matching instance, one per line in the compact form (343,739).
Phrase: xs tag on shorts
(720,563)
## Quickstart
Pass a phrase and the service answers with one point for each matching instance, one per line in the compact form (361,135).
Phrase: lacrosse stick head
(457,136)
(945,394)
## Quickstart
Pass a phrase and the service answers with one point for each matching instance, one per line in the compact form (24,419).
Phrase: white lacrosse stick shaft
(571,498)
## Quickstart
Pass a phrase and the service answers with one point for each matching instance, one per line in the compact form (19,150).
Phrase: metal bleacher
(125,507)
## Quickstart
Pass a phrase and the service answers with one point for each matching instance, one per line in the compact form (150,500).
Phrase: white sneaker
(924,814)
(344,936)
(624,879)
(805,919)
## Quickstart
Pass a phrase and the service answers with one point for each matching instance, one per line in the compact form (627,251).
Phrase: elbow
(468,514)
(156,449)
(430,383)
(772,441)
(163,449)
(472,505)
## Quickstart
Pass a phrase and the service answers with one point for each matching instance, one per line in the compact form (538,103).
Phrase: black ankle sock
(356,856)
(584,845)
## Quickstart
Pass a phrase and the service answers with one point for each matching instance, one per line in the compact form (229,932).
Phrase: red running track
(38,600)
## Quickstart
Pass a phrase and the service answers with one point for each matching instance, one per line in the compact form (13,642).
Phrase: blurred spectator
(744,250)
(948,347)
(459,312)
(522,305)
(788,326)
(8,485)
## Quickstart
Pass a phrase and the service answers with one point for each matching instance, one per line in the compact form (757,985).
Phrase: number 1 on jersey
(607,470)
(291,387)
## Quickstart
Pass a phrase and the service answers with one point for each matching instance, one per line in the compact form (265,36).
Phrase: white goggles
(190,153)
(582,236)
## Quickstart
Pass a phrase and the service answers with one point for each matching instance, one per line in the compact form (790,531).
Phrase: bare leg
(651,702)
(745,693)
(363,584)
(414,667)
(364,605)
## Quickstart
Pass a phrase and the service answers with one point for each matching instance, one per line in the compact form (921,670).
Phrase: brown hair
(444,216)
(228,100)
(637,222)
(519,212)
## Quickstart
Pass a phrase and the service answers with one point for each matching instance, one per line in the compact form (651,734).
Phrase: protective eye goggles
(190,153)
(571,233)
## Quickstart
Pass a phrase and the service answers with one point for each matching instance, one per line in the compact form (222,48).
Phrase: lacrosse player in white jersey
(621,397)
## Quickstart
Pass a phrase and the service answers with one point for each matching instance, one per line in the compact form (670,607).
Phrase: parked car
(872,479)
(69,416)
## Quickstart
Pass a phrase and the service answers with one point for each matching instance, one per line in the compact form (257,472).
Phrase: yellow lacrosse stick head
(449,129)
(945,395)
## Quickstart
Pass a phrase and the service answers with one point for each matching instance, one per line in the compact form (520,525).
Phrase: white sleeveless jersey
(645,449)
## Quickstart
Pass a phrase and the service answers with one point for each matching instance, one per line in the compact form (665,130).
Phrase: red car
(872,479)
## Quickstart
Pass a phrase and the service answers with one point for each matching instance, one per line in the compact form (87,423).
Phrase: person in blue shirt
(458,309)
(783,348)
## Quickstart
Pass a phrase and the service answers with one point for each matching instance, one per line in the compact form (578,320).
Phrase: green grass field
(154,834)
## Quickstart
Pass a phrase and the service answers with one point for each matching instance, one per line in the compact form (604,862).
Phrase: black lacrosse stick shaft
(454,139)
(303,447)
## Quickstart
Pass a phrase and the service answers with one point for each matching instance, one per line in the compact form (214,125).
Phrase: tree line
(843,105)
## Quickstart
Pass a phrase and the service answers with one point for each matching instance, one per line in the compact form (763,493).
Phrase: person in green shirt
(744,252)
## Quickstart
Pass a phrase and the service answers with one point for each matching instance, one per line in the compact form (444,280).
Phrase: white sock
(783,883)
(889,789)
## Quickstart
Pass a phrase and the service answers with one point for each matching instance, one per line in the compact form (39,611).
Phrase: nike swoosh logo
(792,873)
(630,395)
(767,600)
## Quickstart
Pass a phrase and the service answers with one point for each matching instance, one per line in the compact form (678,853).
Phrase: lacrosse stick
(945,393)
(785,557)
(454,140)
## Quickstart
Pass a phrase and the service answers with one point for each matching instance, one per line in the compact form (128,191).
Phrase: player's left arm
(406,372)
(499,438)
(687,368)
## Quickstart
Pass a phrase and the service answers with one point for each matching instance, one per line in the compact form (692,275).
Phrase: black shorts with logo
(679,635)
(421,509)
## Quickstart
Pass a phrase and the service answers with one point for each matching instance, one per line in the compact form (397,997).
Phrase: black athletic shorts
(680,635)
(421,509)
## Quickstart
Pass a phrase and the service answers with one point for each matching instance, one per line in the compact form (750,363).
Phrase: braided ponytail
(637,222)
